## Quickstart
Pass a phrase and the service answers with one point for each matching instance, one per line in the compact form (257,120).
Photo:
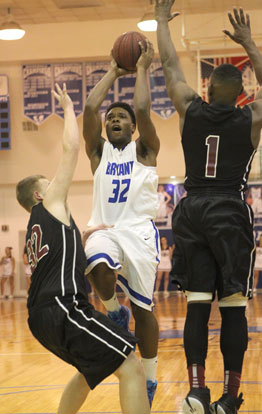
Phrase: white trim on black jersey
(74,263)
(88,331)
(63,261)
(102,326)
(247,168)
(252,257)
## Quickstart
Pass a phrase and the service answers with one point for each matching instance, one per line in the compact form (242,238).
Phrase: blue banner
(72,75)
(5,139)
(94,73)
(161,104)
(37,85)
(126,86)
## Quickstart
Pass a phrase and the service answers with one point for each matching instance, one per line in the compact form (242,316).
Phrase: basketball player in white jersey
(125,197)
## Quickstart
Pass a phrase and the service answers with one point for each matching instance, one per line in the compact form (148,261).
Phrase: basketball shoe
(197,401)
(121,317)
(151,390)
(227,404)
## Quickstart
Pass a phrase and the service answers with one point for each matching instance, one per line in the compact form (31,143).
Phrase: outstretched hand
(118,71)
(146,56)
(62,97)
(163,10)
(241,26)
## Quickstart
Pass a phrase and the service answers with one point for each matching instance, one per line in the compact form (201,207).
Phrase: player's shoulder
(256,109)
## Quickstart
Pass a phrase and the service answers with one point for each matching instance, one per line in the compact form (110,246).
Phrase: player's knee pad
(235,300)
(198,296)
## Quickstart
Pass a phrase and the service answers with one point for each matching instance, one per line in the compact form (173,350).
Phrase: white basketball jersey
(125,191)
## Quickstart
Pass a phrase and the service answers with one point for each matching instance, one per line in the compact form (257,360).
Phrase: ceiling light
(10,30)
(148,22)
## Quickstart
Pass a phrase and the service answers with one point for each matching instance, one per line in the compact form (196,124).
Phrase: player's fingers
(228,34)
(236,15)
(242,16)
(141,47)
(56,95)
(64,87)
(248,20)
(173,15)
(231,19)
(59,90)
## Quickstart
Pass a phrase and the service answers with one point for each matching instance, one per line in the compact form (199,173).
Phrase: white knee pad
(233,300)
(198,296)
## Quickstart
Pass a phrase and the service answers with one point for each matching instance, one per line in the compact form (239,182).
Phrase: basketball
(126,49)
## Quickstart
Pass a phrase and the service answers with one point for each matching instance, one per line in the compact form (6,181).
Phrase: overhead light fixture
(10,30)
(148,22)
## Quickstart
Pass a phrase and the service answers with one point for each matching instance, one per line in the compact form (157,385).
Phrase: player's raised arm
(148,138)
(92,127)
(56,194)
(178,90)
(242,35)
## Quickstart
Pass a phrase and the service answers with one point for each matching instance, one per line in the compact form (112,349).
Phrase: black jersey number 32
(35,250)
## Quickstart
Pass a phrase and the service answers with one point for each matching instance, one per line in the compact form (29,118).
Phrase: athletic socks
(232,383)
(196,375)
(112,304)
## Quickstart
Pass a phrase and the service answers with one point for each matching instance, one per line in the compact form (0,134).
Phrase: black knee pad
(234,337)
(196,333)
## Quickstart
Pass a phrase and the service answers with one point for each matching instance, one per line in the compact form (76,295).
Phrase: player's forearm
(255,57)
(142,99)
(71,132)
(99,92)
(168,55)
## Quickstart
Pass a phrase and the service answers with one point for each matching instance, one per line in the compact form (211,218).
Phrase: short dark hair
(125,106)
(228,73)
(25,191)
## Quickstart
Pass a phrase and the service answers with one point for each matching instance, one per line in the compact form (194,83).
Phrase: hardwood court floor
(32,379)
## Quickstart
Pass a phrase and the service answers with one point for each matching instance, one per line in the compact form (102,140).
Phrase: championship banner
(243,63)
(72,75)
(125,89)
(5,139)
(94,71)
(160,102)
(37,97)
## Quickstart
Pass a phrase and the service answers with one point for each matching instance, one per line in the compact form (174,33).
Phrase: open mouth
(116,128)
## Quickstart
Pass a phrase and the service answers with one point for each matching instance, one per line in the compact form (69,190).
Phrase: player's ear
(38,196)
(133,128)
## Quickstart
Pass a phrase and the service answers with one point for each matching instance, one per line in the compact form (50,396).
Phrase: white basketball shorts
(133,252)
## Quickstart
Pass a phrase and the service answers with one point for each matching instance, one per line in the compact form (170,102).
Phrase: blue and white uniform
(125,196)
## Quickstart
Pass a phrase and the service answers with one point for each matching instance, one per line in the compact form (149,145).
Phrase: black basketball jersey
(217,146)
(56,257)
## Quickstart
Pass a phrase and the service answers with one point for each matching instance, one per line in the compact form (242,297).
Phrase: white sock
(112,304)
(150,365)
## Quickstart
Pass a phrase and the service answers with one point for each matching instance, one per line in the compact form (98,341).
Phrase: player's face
(119,127)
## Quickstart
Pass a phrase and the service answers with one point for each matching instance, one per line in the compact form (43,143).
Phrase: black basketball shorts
(83,337)
(214,245)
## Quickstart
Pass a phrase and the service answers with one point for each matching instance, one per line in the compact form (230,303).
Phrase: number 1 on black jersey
(212,142)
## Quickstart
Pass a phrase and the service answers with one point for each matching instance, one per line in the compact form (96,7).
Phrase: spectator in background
(163,199)
(8,263)
(164,266)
